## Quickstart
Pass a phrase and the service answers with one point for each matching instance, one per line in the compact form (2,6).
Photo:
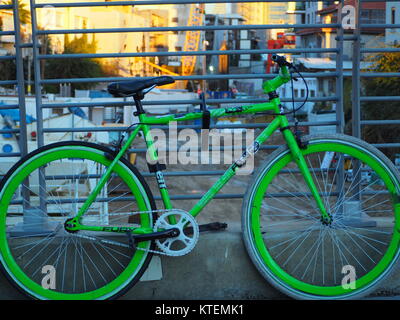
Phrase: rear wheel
(288,242)
(38,197)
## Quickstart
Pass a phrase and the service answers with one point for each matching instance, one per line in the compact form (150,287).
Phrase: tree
(24,14)
(388,110)
(8,71)
(74,68)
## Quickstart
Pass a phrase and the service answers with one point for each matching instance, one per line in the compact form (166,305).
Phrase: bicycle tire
(126,173)
(265,216)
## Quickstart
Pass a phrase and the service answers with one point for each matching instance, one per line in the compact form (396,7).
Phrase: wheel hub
(70,225)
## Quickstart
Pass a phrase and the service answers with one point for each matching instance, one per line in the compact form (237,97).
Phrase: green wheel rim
(10,187)
(285,279)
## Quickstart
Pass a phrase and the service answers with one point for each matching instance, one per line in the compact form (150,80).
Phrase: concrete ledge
(218,268)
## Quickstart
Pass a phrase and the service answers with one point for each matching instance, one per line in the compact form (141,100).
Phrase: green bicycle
(319,210)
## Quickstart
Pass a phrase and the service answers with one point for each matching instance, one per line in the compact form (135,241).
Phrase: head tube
(281,79)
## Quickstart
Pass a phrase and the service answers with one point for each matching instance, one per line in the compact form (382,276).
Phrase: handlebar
(281,60)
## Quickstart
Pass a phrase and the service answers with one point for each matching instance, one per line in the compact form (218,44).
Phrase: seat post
(138,102)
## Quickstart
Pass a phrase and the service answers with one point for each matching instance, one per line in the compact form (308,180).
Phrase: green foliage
(24,14)
(74,68)
(8,71)
(383,86)
(322,106)
(347,104)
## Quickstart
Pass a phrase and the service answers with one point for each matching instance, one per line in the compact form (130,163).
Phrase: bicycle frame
(280,122)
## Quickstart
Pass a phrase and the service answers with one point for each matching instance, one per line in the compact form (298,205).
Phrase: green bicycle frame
(280,122)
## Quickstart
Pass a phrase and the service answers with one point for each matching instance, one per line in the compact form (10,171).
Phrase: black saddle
(133,87)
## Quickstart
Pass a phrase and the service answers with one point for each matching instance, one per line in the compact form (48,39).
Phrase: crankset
(187,233)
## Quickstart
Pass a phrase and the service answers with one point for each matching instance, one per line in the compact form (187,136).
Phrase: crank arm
(213,226)
(170,233)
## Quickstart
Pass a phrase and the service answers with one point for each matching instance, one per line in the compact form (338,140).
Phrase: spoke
(325,199)
(345,247)
(102,257)
(308,231)
(308,203)
(315,177)
(37,254)
(352,239)
(361,236)
(317,243)
(285,222)
(95,266)
(340,253)
(377,204)
(287,204)
(310,228)
(48,259)
(308,252)
(295,214)
(333,178)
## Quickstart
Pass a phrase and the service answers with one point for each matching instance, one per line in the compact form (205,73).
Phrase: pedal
(132,244)
(213,226)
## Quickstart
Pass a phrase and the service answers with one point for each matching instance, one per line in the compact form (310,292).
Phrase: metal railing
(20,133)
(338,73)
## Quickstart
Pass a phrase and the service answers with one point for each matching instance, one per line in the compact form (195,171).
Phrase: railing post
(339,103)
(356,110)
(339,70)
(356,106)
(37,76)
(20,81)
(38,99)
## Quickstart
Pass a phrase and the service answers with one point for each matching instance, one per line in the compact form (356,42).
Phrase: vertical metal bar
(37,76)
(23,136)
(356,111)
(356,106)
(20,81)
(38,100)
(339,70)
(339,103)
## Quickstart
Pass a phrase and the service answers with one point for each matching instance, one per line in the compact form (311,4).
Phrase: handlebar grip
(280,60)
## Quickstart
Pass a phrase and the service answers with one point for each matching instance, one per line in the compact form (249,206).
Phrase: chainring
(188,233)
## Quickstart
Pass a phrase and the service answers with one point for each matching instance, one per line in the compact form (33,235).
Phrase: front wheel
(38,197)
(298,253)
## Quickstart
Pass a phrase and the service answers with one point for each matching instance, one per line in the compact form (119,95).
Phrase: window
(296,93)
(303,93)
(59,20)
(312,93)
(370,16)
(331,86)
(393,16)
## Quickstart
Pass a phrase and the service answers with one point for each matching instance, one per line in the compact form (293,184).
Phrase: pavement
(218,268)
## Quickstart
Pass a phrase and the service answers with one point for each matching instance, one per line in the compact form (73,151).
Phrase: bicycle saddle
(132,87)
